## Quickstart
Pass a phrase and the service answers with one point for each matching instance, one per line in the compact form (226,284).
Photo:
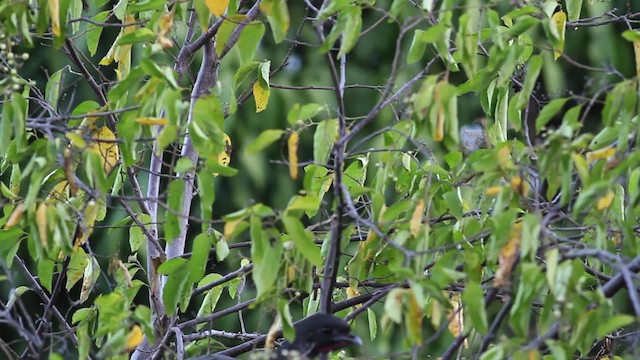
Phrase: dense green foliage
(458,177)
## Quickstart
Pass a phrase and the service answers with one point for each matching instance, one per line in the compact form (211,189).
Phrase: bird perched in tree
(316,334)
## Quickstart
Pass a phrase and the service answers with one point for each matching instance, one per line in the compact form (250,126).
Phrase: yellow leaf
(519,186)
(436,310)
(230,226)
(291,274)
(224,157)
(152,121)
(603,153)
(352,291)
(636,49)
(60,192)
(455,316)
(260,95)
(415,224)
(41,222)
(217,7)
(508,256)
(605,201)
(15,217)
(293,154)
(104,144)
(89,219)
(54,12)
(560,22)
(493,190)
(504,157)
(135,337)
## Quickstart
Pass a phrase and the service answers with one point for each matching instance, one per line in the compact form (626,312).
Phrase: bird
(316,334)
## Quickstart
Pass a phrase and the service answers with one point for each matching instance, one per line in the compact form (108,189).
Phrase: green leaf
(265,252)
(631,35)
(139,35)
(278,17)
(393,305)
(305,112)
(473,298)
(45,272)
(611,324)
(164,72)
(52,89)
(136,236)
(75,269)
(533,71)
(199,256)
(287,324)
(352,27)
(416,50)
(303,240)
(245,73)
(249,40)
(175,194)
(548,112)
(263,140)
(323,139)
(573,9)
(434,33)
(521,26)
(212,296)
(145,5)
(304,203)
(373,324)
(178,277)
(206,126)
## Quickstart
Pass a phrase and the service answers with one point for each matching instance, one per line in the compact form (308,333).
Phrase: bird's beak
(350,339)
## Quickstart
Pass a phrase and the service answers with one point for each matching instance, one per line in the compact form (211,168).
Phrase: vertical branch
(207,77)
(339,150)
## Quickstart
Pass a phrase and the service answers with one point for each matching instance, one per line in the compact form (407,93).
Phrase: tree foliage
(460,178)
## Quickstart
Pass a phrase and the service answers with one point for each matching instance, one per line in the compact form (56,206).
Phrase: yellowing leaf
(76,139)
(352,291)
(60,192)
(152,121)
(636,49)
(415,224)
(54,12)
(493,190)
(455,316)
(559,22)
(605,201)
(261,96)
(217,7)
(135,337)
(89,219)
(293,154)
(603,153)
(15,217)
(519,186)
(230,226)
(504,157)
(104,144)
(439,131)
(224,157)
(508,256)
(41,222)
(90,276)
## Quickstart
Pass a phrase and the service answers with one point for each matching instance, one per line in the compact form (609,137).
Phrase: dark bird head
(319,333)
